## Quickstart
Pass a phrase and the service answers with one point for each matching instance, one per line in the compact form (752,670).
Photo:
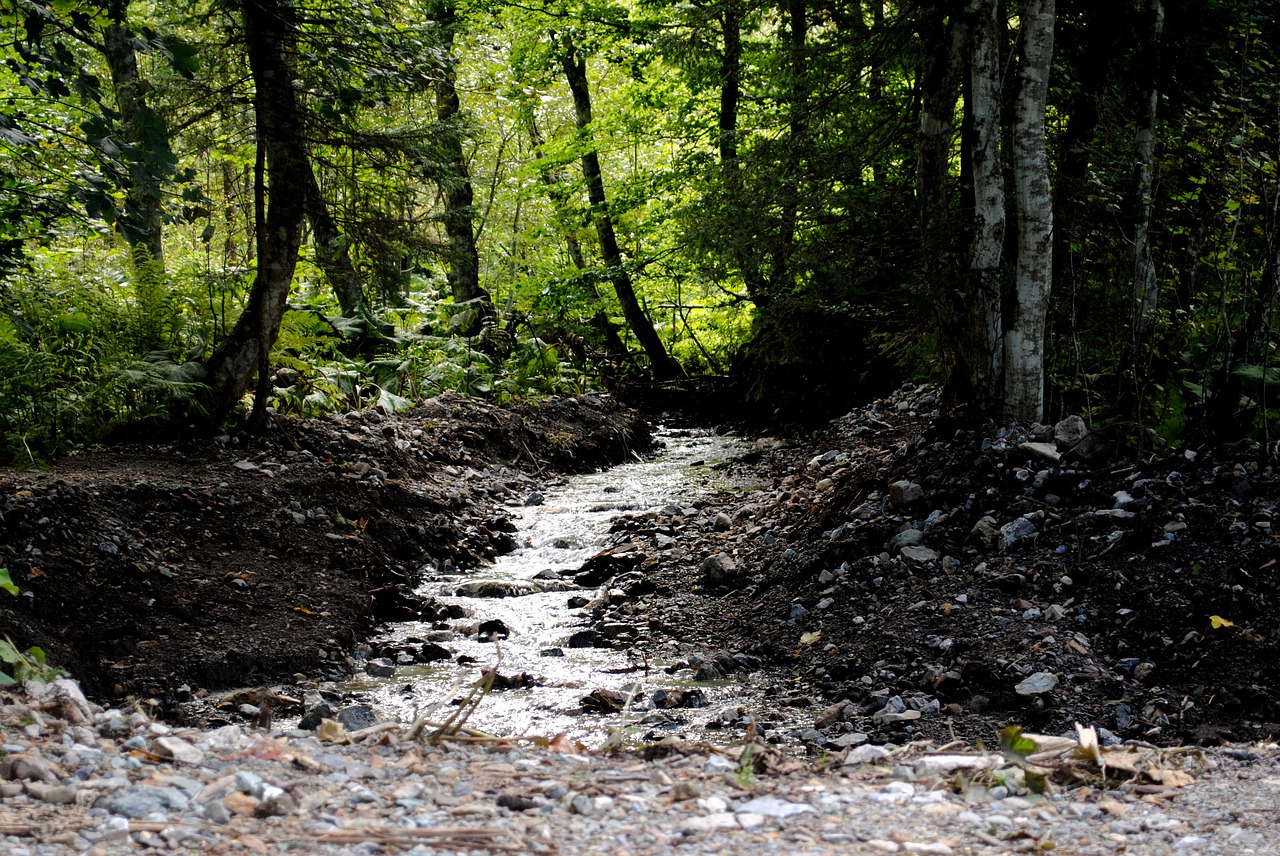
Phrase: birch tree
(981,357)
(1024,339)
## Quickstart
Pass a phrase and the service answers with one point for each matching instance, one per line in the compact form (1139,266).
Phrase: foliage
(21,665)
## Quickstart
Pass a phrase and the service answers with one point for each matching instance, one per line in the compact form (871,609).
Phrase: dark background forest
(218,210)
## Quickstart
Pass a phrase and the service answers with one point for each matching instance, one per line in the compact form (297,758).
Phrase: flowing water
(560,534)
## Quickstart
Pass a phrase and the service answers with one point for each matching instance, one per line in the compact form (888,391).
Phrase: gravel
(75,778)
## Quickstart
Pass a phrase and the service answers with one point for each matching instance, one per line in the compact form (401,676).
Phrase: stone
(380,667)
(865,754)
(312,718)
(774,808)
(722,523)
(1037,684)
(55,794)
(906,538)
(140,800)
(904,492)
(431,653)
(493,629)
(919,555)
(1069,432)
(1016,531)
(1044,451)
(673,698)
(177,749)
(356,717)
(718,568)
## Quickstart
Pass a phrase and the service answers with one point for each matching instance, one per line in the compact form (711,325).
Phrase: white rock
(774,807)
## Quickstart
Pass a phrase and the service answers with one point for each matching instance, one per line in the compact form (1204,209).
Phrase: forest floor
(898,560)
(900,580)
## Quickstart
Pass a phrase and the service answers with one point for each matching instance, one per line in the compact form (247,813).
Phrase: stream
(570,525)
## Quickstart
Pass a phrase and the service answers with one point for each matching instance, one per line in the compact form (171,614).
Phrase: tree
(574,64)
(1024,341)
(282,188)
(464,261)
(979,355)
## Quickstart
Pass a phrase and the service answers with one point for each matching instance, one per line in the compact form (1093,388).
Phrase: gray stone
(380,667)
(907,538)
(140,800)
(905,492)
(356,717)
(1044,451)
(774,807)
(1069,432)
(1037,684)
(919,555)
(1018,530)
(716,569)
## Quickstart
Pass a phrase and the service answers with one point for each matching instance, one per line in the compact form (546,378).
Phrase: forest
(215,211)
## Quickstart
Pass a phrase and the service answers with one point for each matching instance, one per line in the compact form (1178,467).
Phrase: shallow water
(568,528)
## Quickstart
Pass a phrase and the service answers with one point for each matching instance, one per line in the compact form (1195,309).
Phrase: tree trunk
(942,38)
(142,225)
(559,200)
(1025,334)
(464,258)
(269,28)
(660,362)
(980,356)
(1145,289)
(780,270)
(743,253)
(332,253)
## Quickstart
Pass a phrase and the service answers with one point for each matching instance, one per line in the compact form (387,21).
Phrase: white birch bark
(985,325)
(1145,291)
(1024,339)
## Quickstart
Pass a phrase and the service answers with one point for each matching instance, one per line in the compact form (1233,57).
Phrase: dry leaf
(1172,778)
(332,731)
(1218,621)
(810,638)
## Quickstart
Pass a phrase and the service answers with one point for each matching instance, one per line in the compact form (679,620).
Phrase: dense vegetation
(1067,207)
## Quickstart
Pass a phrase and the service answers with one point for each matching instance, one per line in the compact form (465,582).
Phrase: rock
(492,629)
(774,807)
(177,749)
(584,639)
(865,754)
(906,538)
(904,492)
(1069,432)
(838,712)
(312,718)
(667,699)
(508,588)
(137,801)
(356,717)
(717,569)
(1018,530)
(919,555)
(380,667)
(722,523)
(432,653)
(1044,451)
(534,498)
(1037,684)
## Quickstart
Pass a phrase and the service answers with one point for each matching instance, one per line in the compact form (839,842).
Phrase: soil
(1146,586)
(161,571)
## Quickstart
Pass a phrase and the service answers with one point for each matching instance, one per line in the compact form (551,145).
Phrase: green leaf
(1014,747)
(6,582)
(8,653)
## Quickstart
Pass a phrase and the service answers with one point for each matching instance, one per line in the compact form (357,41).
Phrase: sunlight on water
(567,529)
